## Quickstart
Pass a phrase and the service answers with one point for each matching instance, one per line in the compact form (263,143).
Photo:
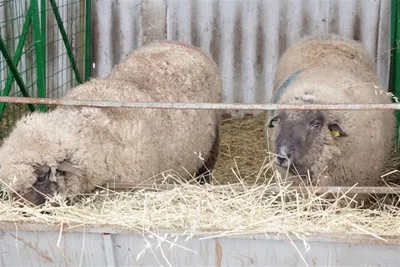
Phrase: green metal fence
(395,59)
(45,51)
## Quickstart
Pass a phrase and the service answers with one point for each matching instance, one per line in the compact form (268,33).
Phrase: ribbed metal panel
(104,247)
(245,38)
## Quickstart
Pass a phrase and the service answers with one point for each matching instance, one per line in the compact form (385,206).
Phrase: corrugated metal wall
(245,38)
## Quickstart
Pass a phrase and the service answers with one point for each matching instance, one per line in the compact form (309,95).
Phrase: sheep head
(36,162)
(34,184)
(46,183)
(300,139)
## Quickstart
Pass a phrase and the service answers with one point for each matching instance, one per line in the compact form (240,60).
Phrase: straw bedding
(194,208)
(197,209)
(242,149)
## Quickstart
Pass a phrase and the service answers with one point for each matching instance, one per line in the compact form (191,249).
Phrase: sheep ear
(44,169)
(336,131)
(274,121)
(66,166)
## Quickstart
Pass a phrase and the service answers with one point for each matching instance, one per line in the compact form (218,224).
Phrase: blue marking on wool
(285,85)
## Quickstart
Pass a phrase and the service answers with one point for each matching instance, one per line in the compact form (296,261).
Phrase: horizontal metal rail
(200,106)
(270,189)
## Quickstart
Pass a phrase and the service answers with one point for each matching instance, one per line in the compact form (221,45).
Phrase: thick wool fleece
(121,144)
(320,51)
(361,156)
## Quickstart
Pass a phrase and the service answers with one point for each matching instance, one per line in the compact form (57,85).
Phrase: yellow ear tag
(335,133)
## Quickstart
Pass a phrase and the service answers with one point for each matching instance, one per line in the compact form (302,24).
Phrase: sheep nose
(280,160)
(283,157)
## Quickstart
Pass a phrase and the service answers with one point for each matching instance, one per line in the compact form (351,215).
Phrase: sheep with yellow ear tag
(344,147)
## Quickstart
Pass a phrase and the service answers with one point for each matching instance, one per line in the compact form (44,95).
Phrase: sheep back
(167,71)
(324,50)
(172,71)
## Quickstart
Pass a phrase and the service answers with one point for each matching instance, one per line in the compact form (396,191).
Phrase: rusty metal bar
(200,106)
(272,189)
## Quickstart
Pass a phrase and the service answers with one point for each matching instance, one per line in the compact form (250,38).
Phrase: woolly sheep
(327,50)
(332,147)
(71,149)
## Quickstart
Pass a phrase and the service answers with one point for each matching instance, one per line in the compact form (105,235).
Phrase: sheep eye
(42,177)
(315,124)
(274,121)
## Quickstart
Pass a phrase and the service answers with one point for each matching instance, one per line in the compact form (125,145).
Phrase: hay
(197,209)
(242,148)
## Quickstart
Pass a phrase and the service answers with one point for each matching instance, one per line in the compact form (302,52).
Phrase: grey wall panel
(245,38)
(110,247)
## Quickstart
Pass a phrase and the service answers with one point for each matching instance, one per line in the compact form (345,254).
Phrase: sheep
(70,150)
(329,147)
(326,50)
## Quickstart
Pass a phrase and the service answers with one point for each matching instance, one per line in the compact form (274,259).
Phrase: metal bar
(271,189)
(65,39)
(199,106)
(395,58)
(43,18)
(393,15)
(41,79)
(81,50)
(17,57)
(88,31)
(14,71)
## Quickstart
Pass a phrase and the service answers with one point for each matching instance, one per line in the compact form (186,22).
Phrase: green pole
(39,54)
(88,30)
(14,70)
(17,57)
(43,19)
(394,60)
(65,39)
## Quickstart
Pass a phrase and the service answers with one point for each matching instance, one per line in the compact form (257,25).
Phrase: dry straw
(197,209)
(242,148)
(194,208)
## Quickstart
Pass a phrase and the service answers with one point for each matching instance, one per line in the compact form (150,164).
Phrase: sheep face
(37,159)
(33,183)
(300,138)
(43,186)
